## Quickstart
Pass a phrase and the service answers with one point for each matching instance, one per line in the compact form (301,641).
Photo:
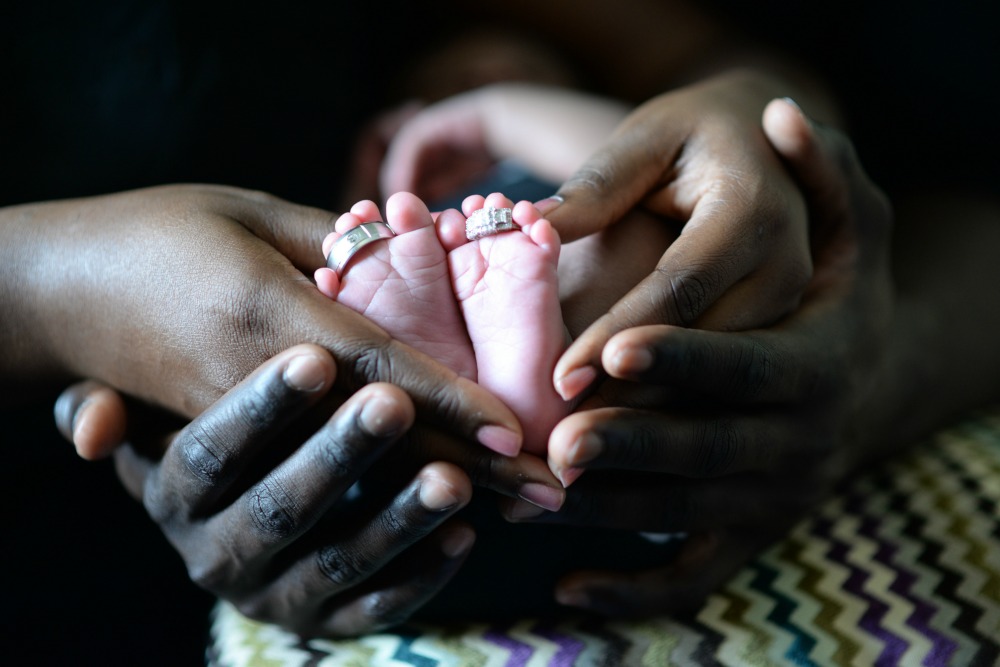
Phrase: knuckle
(596,179)
(399,525)
(374,363)
(752,371)
(244,319)
(641,448)
(687,295)
(377,363)
(341,567)
(206,447)
(335,461)
(268,505)
(393,522)
(721,446)
(381,611)
(202,454)
(483,469)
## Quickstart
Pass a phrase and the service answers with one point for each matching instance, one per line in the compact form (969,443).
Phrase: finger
(687,445)
(658,503)
(723,271)
(391,597)
(752,368)
(296,231)
(438,491)
(827,167)
(292,498)
(791,134)
(706,562)
(212,451)
(524,476)
(366,354)
(613,180)
(93,417)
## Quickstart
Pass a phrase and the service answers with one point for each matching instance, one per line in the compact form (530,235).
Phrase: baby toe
(498,200)
(366,210)
(405,212)
(472,203)
(347,221)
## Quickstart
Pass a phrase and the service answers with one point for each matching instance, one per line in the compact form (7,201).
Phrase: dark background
(87,578)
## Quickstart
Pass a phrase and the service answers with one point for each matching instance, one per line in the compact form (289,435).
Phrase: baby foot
(508,290)
(402,283)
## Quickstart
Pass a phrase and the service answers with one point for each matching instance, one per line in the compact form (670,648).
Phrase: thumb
(611,182)
(294,230)
(826,165)
(92,416)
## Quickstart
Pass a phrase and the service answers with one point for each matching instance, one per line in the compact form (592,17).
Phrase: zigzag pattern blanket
(901,568)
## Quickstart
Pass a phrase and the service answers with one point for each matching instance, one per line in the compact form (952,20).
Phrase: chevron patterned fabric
(901,568)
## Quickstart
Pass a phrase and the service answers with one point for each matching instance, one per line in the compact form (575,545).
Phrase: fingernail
(543,496)
(793,103)
(584,449)
(79,422)
(796,106)
(569,475)
(380,417)
(633,360)
(549,204)
(81,428)
(570,385)
(305,373)
(501,440)
(436,495)
(520,510)
(458,542)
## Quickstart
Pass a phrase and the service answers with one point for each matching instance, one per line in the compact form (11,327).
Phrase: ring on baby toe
(348,245)
(489,221)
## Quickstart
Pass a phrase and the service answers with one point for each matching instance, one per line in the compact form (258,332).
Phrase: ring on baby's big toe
(348,245)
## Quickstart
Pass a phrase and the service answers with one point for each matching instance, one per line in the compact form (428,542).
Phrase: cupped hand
(763,423)
(174,294)
(697,159)
(326,525)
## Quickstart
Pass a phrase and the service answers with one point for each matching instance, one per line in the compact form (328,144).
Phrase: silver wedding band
(489,221)
(348,245)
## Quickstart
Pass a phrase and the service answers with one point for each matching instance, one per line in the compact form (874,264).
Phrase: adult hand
(327,525)
(765,422)
(174,294)
(698,160)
